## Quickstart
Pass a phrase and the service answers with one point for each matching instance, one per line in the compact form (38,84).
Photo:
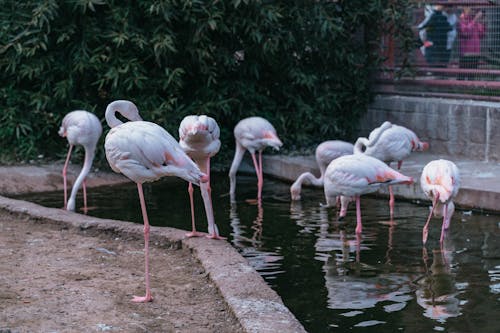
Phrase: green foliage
(304,65)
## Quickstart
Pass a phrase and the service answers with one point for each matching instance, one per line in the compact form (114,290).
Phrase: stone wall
(461,128)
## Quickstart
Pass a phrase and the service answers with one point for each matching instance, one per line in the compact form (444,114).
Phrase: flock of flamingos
(144,152)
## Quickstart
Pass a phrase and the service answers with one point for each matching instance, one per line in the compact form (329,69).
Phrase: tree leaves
(304,65)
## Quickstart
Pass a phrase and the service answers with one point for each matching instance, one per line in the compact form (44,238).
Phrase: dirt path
(57,279)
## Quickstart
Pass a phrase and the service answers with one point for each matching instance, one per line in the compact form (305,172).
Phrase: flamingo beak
(204,178)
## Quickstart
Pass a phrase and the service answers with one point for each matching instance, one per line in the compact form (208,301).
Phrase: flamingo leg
(359,225)
(193,233)
(258,171)
(64,173)
(425,231)
(391,202)
(444,226)
(148,297)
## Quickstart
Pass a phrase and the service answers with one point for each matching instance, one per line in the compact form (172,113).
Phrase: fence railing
(458,55)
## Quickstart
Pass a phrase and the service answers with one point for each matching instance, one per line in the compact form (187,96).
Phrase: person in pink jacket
(470,32)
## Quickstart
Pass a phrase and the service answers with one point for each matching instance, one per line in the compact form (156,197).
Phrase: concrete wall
(460,128)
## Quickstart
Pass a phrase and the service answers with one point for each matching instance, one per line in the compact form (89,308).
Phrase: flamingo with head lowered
(440,181)
(199,137)
(80,128)
(355,175)
(253,134)
(145,152)
(325,153)
(390,143)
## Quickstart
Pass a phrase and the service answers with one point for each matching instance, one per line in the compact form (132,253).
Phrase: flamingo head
(273,140)
(420,146)
(295,192)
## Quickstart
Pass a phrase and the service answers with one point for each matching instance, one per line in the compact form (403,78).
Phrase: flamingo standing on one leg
(252,134)
(354,175)
(440,182)
(80,128)
(390,143)
(144,152)
(325,153)
(199,137)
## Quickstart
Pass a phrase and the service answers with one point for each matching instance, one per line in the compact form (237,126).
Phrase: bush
(304,65)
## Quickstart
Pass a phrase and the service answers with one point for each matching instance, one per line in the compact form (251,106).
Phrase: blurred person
(452,19)
(470,32)
(434,32)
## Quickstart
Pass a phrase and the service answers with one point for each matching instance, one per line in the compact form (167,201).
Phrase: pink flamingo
(325,153)
(144,152)
(390,143)
(199,137)
(354,175)
(440,181)
(252,134)
(80,128)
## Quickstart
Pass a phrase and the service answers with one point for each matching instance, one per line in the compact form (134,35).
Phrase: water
(332,281)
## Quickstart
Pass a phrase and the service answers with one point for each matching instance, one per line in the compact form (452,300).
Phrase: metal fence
(458,53)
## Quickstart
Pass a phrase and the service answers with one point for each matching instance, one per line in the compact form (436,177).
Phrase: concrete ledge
(257,307)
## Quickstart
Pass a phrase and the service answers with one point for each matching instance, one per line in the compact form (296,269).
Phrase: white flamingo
(79,128)
(199,137)
(325,153)
(253,134)
(390,143)
(144,152)
(354,175)
(440,181)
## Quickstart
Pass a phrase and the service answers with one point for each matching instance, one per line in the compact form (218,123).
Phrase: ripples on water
(384,281)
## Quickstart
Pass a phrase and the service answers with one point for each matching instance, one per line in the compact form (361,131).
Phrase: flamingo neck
(360,145)
(111,116)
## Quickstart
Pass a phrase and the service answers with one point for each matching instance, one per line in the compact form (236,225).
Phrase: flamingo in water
(354,175)
(253,134)
(440,181)
(325,153)
(199,138)
(79,128)
(390,143)
(144,152)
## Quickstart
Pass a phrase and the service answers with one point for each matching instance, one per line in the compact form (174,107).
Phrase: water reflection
(437,292)
(267,263)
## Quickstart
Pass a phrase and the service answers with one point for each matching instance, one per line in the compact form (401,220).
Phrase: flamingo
(325,153)
(390,143)
(440,181)
(253,134)
(354,175)
(199,138)
(144,152)
(79,128)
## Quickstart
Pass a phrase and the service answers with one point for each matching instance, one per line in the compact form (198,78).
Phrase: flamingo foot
(214,236)
(142,299)
(194,234)
(253,201)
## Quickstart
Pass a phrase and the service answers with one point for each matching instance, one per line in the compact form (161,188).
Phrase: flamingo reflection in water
(437,293)
(351,284)
(248,239)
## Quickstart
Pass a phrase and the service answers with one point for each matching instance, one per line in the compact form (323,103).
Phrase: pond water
(332,281)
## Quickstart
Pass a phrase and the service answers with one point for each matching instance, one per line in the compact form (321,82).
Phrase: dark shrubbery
(304,65)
